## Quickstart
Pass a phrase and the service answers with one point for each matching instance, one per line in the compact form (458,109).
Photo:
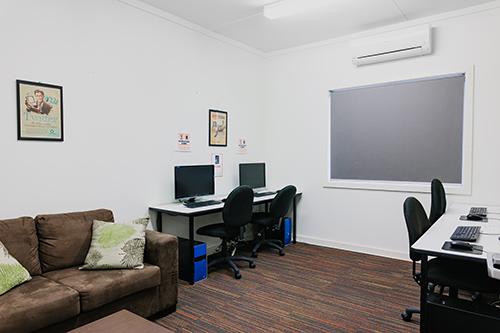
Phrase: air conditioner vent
(397,45)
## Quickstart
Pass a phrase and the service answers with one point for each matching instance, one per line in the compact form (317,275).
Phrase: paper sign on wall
(183,142)
(217,162)
(242,146)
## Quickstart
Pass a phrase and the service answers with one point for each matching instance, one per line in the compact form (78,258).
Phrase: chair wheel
(254,255)
(282,253)
(406,316)
(476,297)
(237,275)
(252,265)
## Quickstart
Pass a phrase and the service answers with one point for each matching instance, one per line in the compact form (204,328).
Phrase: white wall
(297,134)
(132,81)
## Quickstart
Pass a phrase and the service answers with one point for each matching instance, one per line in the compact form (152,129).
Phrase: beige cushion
(97,288)
(65,238)
(117,245)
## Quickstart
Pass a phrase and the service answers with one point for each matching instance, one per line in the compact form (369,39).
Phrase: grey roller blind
(408,131)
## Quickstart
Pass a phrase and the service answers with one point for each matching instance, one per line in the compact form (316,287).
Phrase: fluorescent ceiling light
(291,7)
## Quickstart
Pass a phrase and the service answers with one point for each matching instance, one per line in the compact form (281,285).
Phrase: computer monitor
(253,175)
(194,180)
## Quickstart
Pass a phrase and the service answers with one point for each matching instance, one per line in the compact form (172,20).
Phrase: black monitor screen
(253,174)
(194,180)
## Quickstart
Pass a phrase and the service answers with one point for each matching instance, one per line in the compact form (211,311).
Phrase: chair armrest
(162,251)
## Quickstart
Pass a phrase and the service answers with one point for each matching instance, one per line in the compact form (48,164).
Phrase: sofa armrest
(162,251)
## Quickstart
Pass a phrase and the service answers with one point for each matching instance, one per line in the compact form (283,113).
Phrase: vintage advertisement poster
(217,128)
(39,111)
(183,142)
(218,166)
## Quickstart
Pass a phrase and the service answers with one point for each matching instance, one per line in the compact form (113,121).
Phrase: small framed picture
(217,128)
(39,111)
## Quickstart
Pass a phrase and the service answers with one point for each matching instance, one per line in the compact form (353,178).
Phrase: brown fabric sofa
(61,297)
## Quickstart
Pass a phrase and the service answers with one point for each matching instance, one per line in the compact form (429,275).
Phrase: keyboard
(263,194)
(468,233)
(197,204)
(482,211)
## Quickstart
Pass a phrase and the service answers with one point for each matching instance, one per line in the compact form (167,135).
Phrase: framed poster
(217,128)
(39,111)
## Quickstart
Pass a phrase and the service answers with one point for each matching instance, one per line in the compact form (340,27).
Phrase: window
(401,135)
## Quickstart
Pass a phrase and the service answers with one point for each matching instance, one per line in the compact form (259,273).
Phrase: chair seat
(100,287)
(36,304)
(463,275)
(217,230)
(263,219)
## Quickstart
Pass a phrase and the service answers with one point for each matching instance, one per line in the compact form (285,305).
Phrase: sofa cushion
(37,304)
(12,273)
(97,288)
(65,238)
(117,245)
(20,239)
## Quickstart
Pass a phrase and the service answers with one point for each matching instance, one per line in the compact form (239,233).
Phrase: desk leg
(294,220)
(423,294)
(191,248)
(159,222)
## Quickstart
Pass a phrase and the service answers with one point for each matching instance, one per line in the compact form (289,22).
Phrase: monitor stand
(262,192)
(188,200)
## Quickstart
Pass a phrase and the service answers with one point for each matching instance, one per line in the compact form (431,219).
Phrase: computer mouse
(474,217)
(461,245)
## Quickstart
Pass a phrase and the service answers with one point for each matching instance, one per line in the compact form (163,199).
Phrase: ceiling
(243,20)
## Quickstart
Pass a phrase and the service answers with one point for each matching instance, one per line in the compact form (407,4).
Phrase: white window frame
(465,188)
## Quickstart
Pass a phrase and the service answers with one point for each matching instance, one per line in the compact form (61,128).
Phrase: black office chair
(266,221)
(237,212)
(438,200)
(452,273)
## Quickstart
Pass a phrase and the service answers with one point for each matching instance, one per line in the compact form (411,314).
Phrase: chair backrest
(237,209)
(282,201)
(417,223)
(438,200)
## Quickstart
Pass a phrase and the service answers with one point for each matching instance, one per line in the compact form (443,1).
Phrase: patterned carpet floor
(310,289)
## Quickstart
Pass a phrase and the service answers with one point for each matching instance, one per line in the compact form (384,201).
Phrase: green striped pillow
(12,273)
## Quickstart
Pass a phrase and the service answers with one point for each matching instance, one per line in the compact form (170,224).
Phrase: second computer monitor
(253,175)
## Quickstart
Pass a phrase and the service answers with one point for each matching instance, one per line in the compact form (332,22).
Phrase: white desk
(178,209)
(433,239)
(430,244)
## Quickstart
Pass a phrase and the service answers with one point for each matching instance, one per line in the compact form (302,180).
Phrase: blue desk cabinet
(283,233)
(192,262)
(286,230)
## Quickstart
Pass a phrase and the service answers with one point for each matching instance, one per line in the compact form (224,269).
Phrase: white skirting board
(353,247)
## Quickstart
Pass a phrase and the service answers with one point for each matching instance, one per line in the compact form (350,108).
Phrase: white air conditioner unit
(391,46)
